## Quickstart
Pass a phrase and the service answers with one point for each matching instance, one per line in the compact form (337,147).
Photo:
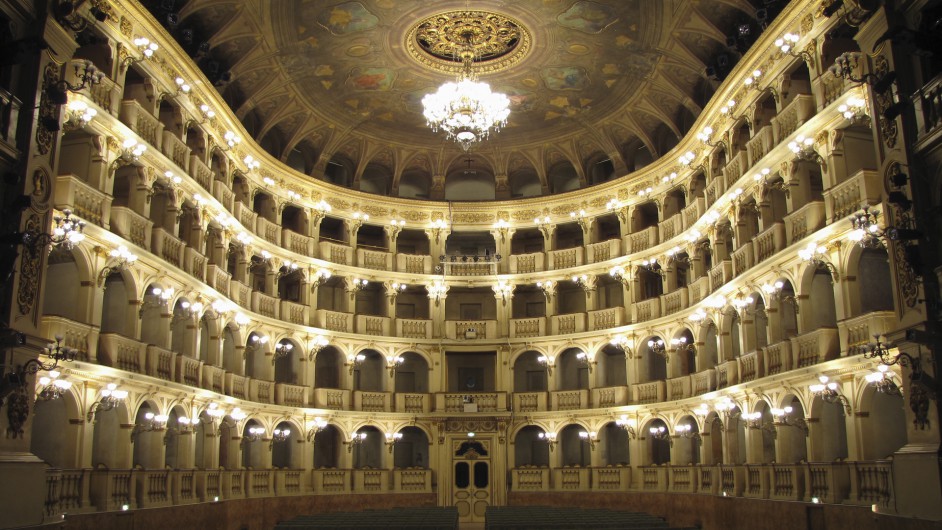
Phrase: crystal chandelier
(466,110)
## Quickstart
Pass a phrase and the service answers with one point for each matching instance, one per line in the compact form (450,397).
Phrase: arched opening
(151,314)
(562,177)
(257,352)
(683,354)
(252,444)
(525,183)
(327,366)
(645,216)
(182,330)
(529,373)
(114,307)
(412,374)
(828,430)
(177,440)
(764,432)
(657,443)
(686,449)
(208,345)
(708,351)
(232,360)
(611,369)
(574,445)
(109,448)
(415,184)
(375,179)
(653,364)
(55,438)
(613,442)
(288,362)
(340,171)
(884,429)
(792,431)
(369,372)
(873,281)
(285,447)
(327,445)
(572,370)
(411,450)
(368,448)
(147,437)
(530,448)
(63,285)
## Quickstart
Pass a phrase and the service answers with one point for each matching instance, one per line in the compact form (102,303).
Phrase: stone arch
(287,365)
(57,437)
(614,445)
(828,431)
(530,448)
(869,281)
(286,450)
(369,374)
(611,368)
(682,353)
(328,367)
(116,312)
(412,374)
(572,369)
(232,349)
(686,450)
(258,349)
(708,345)
(183,331)
(368,452)
(111,445)
(412,450)
(328,443)
(64,294)
(792,431)
(573,446)
(655,450)
(881,422)
(253,445)
(653,366)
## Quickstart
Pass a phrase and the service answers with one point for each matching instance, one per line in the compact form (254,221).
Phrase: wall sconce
(620,274)
(231,140)
(251,164)
(356,285)
(786,44)
(855,110)
(356,439)
(321,276)
(392,363)
(321,209)
(182,86)
(52,387)
(585,360)
(705,135)
(921,385)
(549,438)
(753,80)
(817,255)
(317,344)
(437,291)
(110,398)
(866,229)
(120,259)
(702,411)
(753,419)
(680,345)
(503,291)
(358,219)
(548,362)
(784,417)
(651,265)
(848,62)
(131,152)
(623,343)
(237,414)
(184,426)
(729,412)
(660,433)
(742,305)
(657,347)
(158,299)
(584,281)
(187,311)
(437,227)
(287,268)
(882,379)
(207,112)
(803,148)
(315,426)
(687,158)
(279,436)
(151,423)
(501,227)
(242,319)
(776,292)
(544,224)
(548,288)
(145,48)
(282,350)
(354,361)
(677,255)
(829,392)
(391,439)
(591,437)
(628,426)
(686,431)
(580,217)
(728,107)
(86,75)
(252,434)
(256,343)
(395,226)
(78,115)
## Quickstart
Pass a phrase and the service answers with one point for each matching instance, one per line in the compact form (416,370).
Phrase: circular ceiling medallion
(497,41)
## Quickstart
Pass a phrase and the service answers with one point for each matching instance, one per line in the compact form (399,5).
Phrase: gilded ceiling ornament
(497,42)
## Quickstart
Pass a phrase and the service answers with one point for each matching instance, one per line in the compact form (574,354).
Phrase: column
(391,295)
(591,298)
(438,292)
(436,240)
(503,237)
(352,227)
(504,293)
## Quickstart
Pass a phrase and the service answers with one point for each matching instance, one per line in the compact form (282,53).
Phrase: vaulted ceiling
(599,77)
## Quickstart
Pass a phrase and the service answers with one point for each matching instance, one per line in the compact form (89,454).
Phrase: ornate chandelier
(466,110)
(455,42)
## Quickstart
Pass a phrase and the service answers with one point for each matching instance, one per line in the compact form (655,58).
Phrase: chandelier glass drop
(466,110)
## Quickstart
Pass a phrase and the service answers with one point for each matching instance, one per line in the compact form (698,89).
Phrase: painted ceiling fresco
(341,72)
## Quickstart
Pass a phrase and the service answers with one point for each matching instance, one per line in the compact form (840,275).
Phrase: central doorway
(471,478)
